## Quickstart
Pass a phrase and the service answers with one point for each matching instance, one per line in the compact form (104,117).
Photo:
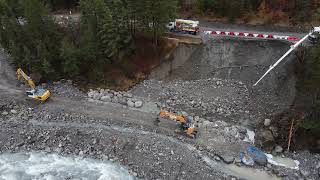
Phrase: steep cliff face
(242,61)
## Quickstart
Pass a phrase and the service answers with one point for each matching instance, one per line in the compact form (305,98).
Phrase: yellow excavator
(35,92)
(187,125)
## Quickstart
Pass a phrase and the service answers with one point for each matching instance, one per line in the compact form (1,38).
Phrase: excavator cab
(39,94)
(35,92)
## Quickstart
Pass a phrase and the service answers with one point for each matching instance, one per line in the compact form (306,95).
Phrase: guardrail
(252,35)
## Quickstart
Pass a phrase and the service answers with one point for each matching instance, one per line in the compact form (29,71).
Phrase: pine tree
(30,35)
(158,13)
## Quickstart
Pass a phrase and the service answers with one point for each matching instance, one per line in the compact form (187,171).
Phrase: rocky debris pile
(14,112)
(266,137)
(206,97)
(117,97)
(65,88)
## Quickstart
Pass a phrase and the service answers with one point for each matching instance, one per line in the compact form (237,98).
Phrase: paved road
(264,29)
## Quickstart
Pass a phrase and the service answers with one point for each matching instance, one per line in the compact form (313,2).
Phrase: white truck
(186,26)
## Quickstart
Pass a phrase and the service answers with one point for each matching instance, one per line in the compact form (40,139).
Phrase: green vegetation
(271,11)
(104,36)
(309,85)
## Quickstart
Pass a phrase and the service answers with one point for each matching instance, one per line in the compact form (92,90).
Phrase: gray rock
(267,135)
(242,136)
(115,100)
(4,113)
(227,159)
(122,101)
(267,122)
(130,103)
(184,114)
(102,91)
(304,173)
(138,104)
(318,165)
(13,111)
(128,95)
(96,96)
(90,94)
(81,153)
(274,131)
(278,149)
(106,98)
(47,149)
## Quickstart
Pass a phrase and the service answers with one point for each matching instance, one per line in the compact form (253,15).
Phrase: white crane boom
(293,47)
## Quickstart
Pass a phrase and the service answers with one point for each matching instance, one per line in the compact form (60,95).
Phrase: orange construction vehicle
(186,123)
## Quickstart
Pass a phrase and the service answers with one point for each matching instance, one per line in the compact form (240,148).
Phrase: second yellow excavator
(35,92)
(186,123)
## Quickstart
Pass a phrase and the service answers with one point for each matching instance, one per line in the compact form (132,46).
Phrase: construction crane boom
(293,47)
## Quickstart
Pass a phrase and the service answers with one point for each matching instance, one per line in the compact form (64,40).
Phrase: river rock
(267,122)
(4,113)
(128,95)
(90,94)
(13,111)
(96,96)
(115,99)
(106,98)
(227,159)
(138,104)
(130,103)
(278,149)
(122,101)
(267,135)
(304,173)
(184,114)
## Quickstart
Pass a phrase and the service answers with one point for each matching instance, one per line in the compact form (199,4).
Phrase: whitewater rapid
(44,166)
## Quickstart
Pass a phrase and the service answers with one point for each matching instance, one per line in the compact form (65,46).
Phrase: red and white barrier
(252,35)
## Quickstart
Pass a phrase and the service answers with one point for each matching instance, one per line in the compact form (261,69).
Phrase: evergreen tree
(157,13)
(30,36)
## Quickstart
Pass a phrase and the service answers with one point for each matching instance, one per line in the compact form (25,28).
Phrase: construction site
(106,90)
(209,85)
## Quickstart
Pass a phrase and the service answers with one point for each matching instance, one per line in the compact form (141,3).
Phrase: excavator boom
(30,82)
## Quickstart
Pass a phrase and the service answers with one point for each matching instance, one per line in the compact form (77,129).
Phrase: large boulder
(138,104)
(122,101)
(106,98)
(267,122)
(90,94)
(128,95)
(96,96)
(130,103)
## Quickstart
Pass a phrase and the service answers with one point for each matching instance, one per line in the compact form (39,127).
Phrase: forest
(106,33)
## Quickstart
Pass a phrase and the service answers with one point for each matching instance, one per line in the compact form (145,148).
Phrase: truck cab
(314,36)
(171,26)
